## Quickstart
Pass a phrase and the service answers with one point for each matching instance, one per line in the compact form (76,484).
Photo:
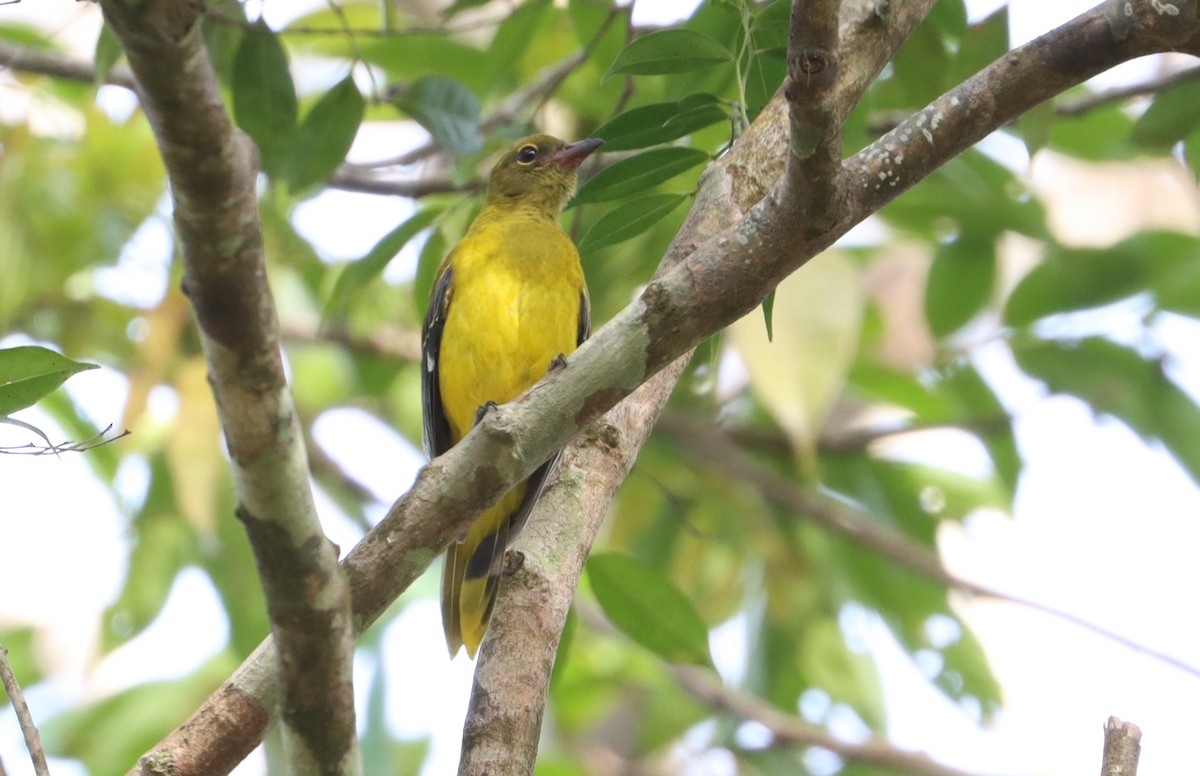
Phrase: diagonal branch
(212,170)
(789,730)
(717,280)
(56,65)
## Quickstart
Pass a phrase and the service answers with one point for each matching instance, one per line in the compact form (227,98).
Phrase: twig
(92,442)
(1122,746)
(792,731)
(56,65)
(1082,105)
(33,741)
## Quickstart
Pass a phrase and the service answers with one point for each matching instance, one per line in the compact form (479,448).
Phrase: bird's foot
(558,363)
(483,410)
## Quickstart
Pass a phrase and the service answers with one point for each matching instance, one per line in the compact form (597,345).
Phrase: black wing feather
(437,427)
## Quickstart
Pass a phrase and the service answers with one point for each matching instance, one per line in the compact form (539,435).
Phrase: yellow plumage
(507,300)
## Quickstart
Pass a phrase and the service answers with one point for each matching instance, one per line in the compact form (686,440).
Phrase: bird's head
(538,172)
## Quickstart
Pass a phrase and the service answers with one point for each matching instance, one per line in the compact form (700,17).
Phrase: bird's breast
(514,306)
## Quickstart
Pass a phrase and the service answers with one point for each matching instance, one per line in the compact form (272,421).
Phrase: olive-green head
(538,173)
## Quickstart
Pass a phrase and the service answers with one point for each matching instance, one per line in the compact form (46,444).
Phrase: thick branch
(1122,748)
(508,699)
(815,138)
(717,281)
(212,169)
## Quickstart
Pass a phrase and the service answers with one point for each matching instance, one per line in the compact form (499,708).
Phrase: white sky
(1105,527)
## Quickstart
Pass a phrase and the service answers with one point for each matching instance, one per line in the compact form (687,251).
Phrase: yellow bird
(507,300)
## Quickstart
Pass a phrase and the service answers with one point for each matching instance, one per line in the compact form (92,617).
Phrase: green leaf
(983,43)
(1100,135)
(511,41)
(960,283)
(325,135)
(108,51)
(1174,114)
(638,173)
(922,65)
(431,256)
(1118,381)
(669,51)
(660,122)
(1033,126)
(768,308)
(1191,153)
(29,372)
(1069,280)
(629,220)
(645,606)
(448,110)
(359,273)
(264,98)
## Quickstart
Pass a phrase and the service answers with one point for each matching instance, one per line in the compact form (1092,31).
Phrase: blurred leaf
(1117,381)
(669,51)
(432,253)
(22,655)
(1174,114)
(1101,134)
(162,545)
(800,372)
(194,452)
(447,110)
(1034,126)
(949,16)
(28,373)
(645,606)
(629,220)
(660,122)
(638,173)
(960,283)
(971,194)
(458,6)
(512,40)
(109,734)
(922,66)
(983,43)
(108,52)
(325,135)
(1072,279)
(768,308)
(264,99)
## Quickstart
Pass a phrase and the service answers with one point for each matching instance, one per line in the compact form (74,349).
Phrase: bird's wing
(585,317)
(437,427)
(538,480)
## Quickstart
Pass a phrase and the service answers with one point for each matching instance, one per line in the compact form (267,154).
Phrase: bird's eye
(527,154)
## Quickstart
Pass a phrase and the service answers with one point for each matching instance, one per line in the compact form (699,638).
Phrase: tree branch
(212,169)
(815,137)
(27,60)
(789,730)
(1082,105)
(33,741)
(512,679)
(1122,747)
(717,280)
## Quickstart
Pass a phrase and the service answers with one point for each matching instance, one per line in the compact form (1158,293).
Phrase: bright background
(1105,526)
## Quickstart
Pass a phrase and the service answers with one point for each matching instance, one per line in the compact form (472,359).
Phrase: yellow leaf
(817,319)
(194,448)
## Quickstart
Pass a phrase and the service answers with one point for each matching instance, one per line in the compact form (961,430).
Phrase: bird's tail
(471,575)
